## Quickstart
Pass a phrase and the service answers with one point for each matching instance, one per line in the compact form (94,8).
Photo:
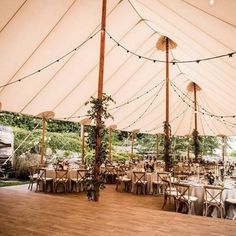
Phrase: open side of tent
(51,42)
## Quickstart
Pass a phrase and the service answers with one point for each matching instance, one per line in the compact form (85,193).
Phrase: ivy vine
(98,113)
(196,144)
(167,145)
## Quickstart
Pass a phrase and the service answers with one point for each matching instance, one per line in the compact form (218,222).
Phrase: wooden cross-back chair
(183,195)
(168,191)
(110,173)
(61,179)
(157,184)
(43,180)
(33,175)
(213,197)
(140,182)
(80,180)
(122,180)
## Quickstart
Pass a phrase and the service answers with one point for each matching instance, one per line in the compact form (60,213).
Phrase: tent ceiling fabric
(35,33)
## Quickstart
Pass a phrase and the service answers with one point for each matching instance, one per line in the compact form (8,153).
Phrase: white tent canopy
(36,33)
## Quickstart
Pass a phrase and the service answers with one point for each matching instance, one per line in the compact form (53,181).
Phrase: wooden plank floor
(28,213)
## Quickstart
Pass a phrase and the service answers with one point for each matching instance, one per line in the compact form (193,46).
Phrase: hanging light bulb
(211,2)
(230,57)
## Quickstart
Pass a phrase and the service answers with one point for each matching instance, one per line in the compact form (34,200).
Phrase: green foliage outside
(61,135)
(55,141)
(120,157)
(233,153)
(12,183)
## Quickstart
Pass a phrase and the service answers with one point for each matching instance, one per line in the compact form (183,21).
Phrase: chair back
(33,170)
(166,186)
(41,174)
(109,170)
(61,175)
(213,194)
(182,191)
(120,171)
(81,175)
(163,175)
(139,177)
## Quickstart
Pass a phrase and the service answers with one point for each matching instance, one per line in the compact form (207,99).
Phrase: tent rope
(31,132)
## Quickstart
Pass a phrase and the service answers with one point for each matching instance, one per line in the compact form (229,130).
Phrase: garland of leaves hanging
(167,145)
(196,144)
(98,109)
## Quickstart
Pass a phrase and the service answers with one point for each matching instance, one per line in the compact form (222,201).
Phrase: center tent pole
(96,170)
(167,128)
(43,140)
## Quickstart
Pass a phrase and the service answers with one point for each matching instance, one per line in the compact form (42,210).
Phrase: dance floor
(28,213)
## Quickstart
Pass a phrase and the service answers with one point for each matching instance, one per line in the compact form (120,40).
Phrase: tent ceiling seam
(40,44)
(12,17)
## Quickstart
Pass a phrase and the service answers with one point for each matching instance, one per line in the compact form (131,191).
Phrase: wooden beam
(96,170)
(167,84)
(195,105)
(223,147)
(132,146)
(157,145)
(167,131)
(109,144)
(188,150)
(43,139)
(82,143)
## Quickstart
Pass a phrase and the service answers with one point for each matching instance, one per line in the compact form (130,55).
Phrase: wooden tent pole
(195,115)
(132,145)
(157,146)
(195,106)
(43,139)
(166,130)
(167,86)
(82,143)
(99,95)
(109,139)
(223,147)
(188,149)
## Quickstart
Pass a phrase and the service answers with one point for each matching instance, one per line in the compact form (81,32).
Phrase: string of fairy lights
(201,110)
(51,63)
(230,55)
(204,112)
(207,124)
(154,60)
(146,110)
(118,106)
(136,98)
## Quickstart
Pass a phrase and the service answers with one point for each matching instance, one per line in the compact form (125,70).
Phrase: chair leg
(164,203)
(176,205)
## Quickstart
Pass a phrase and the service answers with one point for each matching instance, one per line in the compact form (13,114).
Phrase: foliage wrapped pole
(165,44)
(97,163)
(96,180)
(196,144)
(166,125)
(196,141)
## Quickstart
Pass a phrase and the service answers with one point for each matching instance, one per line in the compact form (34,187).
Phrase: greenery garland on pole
(167,145)
(95,178)
(196,144)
